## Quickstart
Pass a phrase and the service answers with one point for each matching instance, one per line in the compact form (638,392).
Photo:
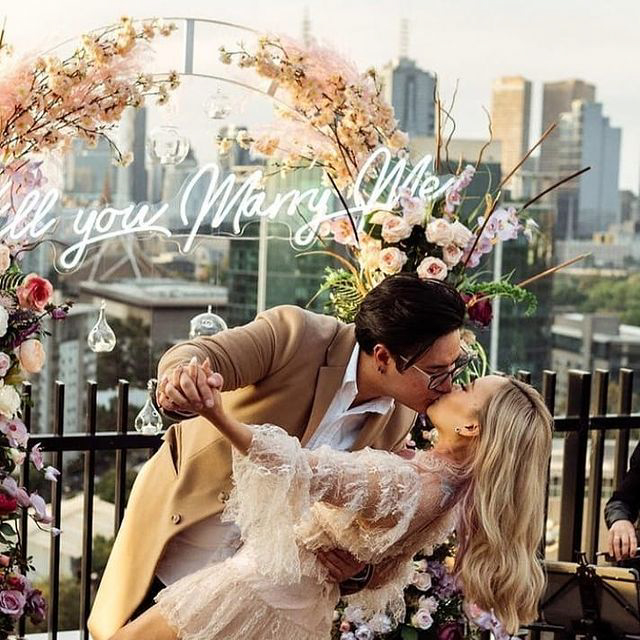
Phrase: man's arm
(624,504)
(243,355)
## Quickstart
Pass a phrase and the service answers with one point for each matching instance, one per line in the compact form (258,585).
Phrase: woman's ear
(468,431)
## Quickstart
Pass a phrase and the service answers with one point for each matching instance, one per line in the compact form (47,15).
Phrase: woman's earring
(457,429)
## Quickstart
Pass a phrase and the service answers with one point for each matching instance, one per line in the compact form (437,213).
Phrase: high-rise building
(510,118)
(410,90)
(558,98)
(591,203)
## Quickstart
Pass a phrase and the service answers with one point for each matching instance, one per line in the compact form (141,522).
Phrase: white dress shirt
(211,540)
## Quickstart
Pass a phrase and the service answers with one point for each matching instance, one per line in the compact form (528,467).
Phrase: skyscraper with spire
(410,90)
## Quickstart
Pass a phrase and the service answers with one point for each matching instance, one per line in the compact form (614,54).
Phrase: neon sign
(225,200)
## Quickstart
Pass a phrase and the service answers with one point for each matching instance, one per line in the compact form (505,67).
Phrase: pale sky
(472,41)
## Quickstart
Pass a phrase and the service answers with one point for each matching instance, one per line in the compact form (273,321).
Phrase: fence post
(121,454)
(622,435)
(595,465)
(549,395)
(56,503)
(24,482)
(573,467)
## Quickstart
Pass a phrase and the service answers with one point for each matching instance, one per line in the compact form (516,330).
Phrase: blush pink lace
(290,502)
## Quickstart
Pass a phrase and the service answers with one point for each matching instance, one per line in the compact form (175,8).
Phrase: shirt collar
(381,404)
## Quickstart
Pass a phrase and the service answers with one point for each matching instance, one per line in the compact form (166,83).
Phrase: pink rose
(5,364)
(439,232)
(461,235)
(432,268)
(450,631)
(421,619)
(395,228)
(392,260)
(479,309)
(35,292)
(12,603)
(369,251)
(31,355)
(421,580)
(5,258)
(451,254)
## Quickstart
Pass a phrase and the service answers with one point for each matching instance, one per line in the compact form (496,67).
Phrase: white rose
(439,232)
(9,401)
(369,252)
(395,229)
(5,258)
(4,321)
(451,254)
(391,260)
(461,235)
(432,268)
(421,581)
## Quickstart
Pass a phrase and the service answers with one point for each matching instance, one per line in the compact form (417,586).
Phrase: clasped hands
(195,388)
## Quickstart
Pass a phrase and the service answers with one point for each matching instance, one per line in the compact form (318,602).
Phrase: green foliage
(344,293)
(504,289)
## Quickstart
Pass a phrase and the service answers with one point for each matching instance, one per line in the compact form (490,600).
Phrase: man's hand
(340,564)
(187,388)
(622,540)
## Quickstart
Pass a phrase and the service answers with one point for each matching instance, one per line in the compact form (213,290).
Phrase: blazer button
(176,518)
(223,496)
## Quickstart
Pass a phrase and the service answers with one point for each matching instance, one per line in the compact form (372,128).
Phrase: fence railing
(579,425)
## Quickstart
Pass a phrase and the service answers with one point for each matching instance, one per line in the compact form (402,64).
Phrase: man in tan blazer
(292,368)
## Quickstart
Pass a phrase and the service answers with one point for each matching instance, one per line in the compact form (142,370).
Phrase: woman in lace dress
(486,476)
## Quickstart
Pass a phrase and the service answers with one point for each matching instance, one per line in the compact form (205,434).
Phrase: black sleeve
(624,504)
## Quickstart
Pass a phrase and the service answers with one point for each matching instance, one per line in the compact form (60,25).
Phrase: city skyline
(544,43)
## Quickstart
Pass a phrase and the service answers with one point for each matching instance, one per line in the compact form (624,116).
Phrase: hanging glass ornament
(167,146)
(101,338)
(217,106)
(149,421)
(206,324)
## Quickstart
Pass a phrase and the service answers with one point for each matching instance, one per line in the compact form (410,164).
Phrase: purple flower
(40,508)
(51,474)
(36,457)
(12,603)
(36,606)
(59,313)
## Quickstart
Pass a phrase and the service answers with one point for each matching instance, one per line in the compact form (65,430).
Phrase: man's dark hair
(407,315)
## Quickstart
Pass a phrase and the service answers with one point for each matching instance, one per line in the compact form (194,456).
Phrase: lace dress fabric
(289,502)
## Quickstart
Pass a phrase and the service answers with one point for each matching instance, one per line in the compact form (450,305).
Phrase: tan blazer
(283,368)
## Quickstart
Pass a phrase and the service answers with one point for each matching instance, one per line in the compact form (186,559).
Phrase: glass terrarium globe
(206,324)
(167,145)
(149,421)
(101,338)
(217,106)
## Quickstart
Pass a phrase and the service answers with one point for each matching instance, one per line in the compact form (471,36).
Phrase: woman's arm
(238,433)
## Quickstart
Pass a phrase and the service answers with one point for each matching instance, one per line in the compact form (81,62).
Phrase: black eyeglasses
(435,380)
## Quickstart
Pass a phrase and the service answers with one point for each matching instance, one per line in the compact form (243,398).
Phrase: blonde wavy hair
(502,511)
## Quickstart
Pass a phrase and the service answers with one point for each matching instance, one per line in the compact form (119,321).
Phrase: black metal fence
(579,424)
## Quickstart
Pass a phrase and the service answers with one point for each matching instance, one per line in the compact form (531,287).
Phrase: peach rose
(369,251)
(35,292)
(451,254)
(392,260)
(432,268)
(31,355)
(461,235)
(439,232)
(395,228)
(5,258)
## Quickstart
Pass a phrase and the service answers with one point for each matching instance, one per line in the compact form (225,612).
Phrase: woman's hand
(188,388)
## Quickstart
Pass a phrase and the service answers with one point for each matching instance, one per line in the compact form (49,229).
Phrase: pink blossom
(392,260)
(15,431)
(421,580)
(40,508)
(439,232)
(413,209)
(12,603)
(451,254)
(422,619)
(37,457)
(10,486)
(395,229)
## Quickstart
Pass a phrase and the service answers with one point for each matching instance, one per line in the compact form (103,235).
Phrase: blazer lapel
(330,377)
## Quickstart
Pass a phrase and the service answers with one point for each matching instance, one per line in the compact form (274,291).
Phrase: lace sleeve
(269,496)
